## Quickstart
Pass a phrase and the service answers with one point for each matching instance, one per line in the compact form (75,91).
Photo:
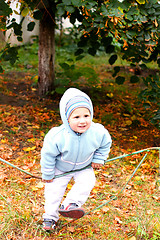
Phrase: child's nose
(82,119)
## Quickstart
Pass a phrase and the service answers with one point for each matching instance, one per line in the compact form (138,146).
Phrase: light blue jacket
(67,151)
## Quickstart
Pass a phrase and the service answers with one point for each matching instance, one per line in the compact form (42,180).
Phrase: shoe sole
(73,213)
(48,228)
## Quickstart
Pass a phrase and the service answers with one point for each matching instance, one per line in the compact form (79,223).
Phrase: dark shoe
(49,224)
(72,211)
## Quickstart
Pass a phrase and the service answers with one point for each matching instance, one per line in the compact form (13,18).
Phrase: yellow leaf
(126,115)
(106,174)
(42,134)
(132,238)
(7,113)
(96,172)
(34,89)
(133,117)
(128,122)
(156,23)
(95,120)
(137,178)
(34,188)
(31,140)
(69,186)
(15,128)
(110,95)
(29,149)
(35,126)
(146,165)
(94,191)
(27,214)
(141,1)
(25,12)
(132,162)
(157,226)
(135,137)
(127,178)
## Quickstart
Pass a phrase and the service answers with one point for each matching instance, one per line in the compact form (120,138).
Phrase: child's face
(80,120)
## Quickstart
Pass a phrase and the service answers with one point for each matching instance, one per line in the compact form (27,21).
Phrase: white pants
(54,191)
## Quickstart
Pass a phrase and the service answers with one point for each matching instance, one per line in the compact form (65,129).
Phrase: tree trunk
(46,53)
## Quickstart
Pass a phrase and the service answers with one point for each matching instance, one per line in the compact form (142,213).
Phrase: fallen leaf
(150,212)
(137,178)
(156,197)
(71,229)
(128,122)
(29,149)
(132,238)
(118,220)
(69,186)
(34,188)
(40,185)
(105,209)
(3,177)
(4,141)
(94,190)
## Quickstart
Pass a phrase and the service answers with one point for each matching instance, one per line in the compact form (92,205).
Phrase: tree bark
(46,53)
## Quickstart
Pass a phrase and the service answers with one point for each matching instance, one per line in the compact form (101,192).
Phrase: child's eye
(76,117)
(86,115)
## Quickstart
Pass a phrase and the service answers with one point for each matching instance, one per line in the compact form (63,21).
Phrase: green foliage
(134,79)
(113,59)
(116,70)
(30,26)
(5,10)
(150,95)
(37,14)
(23,57)
(9,54)
(120,80)
(71,74)
(17,29)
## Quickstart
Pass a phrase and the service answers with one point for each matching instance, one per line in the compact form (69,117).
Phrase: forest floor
(24,121)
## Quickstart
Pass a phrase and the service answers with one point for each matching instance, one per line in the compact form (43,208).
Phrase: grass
(24,123)
(134,213)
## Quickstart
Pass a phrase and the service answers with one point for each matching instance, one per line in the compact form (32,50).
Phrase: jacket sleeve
(48,156)
(101,154)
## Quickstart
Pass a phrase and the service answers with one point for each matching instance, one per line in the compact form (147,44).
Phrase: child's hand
(47,181)
(96,165)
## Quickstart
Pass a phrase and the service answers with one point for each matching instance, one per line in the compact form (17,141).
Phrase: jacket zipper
(77,151)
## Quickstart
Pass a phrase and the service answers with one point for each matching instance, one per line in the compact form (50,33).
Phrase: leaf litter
(24,121)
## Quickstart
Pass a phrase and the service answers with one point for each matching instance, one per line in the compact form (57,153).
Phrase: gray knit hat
(77,102)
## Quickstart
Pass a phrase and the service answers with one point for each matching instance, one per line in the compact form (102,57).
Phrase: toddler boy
(77,146)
